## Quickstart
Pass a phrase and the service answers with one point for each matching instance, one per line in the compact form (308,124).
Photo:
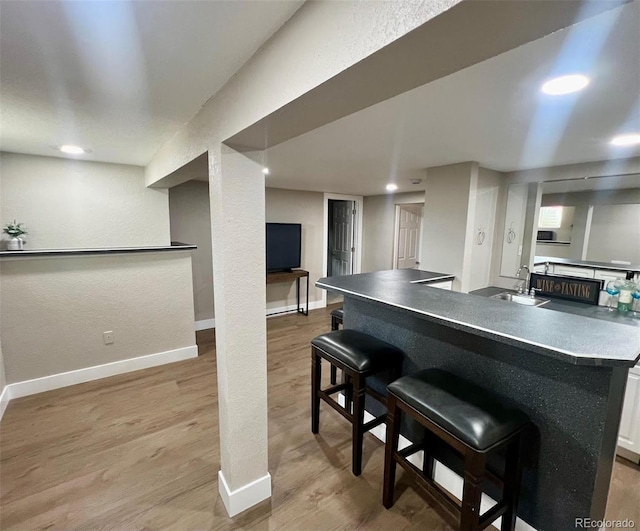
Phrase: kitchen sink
(525,300)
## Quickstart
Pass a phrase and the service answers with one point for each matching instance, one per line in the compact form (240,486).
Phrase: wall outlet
(108,337)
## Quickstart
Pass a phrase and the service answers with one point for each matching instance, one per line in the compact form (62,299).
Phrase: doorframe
(396,226)
(357,235)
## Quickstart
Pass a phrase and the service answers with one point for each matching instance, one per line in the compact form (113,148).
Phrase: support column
(236,189)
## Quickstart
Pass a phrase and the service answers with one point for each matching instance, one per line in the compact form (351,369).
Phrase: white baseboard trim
(313,305)
(246,496)
(4,400)
(88,374)
(443,476)
(205,324)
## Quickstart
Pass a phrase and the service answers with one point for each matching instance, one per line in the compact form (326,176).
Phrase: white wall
(191,223)
(581,201)
(615,234)
(292,206)
(53,311)
(448,208)
(378,224)
(3,380)
(487,192)
(68,203)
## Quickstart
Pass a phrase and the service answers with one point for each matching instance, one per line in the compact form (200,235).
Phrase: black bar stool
(358,355)
(337,317)
(474,423)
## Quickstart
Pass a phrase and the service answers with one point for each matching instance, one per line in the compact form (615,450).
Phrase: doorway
(342,238)
(340,244)
(407,236)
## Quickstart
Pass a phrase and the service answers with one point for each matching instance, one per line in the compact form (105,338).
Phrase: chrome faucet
(525,288)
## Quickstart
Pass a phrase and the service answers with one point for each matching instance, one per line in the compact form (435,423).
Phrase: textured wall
(237,207)
(319,41)
(53,311)
(378,221)
(3,380)
(447,209)
(489,183)
(191,223)
(69,203)
(292,206)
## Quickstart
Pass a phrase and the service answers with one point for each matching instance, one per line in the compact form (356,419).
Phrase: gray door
(341,240)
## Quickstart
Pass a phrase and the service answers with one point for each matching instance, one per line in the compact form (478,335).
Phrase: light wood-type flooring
(141,451)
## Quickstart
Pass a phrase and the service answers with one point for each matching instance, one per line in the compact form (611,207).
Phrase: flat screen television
(284,245)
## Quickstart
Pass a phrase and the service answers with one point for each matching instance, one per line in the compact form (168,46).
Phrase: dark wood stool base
(355,389)
(465,516)
(336,322)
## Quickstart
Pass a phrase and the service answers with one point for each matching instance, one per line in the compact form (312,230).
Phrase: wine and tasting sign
(586,290)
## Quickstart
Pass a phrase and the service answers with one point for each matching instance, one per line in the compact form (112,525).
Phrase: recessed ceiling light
(73,150)
(565,84)
(392,187)
(265,171)
(626,140)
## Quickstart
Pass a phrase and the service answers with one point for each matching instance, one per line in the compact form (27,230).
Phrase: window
(550,217)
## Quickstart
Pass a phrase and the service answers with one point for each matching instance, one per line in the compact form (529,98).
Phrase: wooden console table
(289,276)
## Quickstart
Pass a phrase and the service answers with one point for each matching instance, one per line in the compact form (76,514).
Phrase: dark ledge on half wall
(34,253)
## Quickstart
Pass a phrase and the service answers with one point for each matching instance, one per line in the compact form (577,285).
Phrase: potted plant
(15,231)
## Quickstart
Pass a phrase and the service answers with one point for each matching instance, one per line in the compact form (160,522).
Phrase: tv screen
(283,246)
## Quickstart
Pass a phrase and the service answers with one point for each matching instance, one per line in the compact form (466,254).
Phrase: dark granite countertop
(30,253)
(539,260)
(576,308)
(565,336)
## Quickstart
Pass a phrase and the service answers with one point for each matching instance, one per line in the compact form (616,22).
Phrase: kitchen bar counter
(567,372)
(577,308)
(566,337)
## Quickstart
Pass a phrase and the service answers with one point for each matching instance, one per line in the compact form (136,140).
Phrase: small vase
(15,244)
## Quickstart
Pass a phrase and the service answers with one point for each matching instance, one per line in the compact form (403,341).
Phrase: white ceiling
(492,112)
(119,77)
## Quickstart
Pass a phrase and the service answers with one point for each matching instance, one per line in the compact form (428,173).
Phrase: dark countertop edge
(99,251)
(541,260)
(564,355)
(440,278)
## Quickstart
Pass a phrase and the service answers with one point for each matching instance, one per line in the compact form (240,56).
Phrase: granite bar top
(541,260)
(34,253)
(577,308)
(570,338)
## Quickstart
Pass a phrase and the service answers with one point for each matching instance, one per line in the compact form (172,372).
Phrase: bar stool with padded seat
(359,356)
(473,422)
(337,318)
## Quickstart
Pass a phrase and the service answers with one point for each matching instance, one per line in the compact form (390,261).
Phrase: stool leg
(512,479)
(390,449)
(358,423)
(472,491)
(334,323)
(348,393)
(316,373)
(334,375)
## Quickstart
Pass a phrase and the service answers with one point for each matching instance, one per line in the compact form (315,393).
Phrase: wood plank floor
(141,451)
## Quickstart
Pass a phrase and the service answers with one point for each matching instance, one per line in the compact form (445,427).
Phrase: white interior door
(341,247)
(408,237)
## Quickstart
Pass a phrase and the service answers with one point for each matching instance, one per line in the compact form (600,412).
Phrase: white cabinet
(629,434)
(442,285)
(607,275)
(570,271)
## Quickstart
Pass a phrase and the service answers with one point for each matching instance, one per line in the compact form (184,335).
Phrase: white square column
(236,189)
